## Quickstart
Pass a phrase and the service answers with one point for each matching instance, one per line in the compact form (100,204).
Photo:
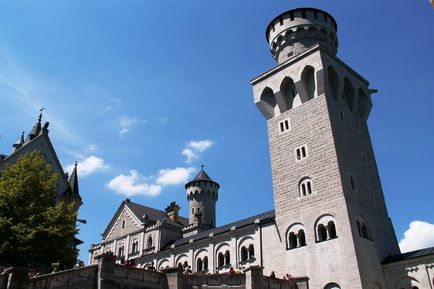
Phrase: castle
(330,222)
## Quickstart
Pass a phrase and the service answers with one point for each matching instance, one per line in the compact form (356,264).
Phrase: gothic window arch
(325,228)
(295,236)
(308,80)
(290,96)
(305,186)
(268,103)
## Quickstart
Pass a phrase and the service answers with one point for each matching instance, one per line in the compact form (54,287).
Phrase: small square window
(284,126)
(301,153)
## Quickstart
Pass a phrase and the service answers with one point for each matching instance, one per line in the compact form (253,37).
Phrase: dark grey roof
(152,215)
(73,182)
(263,217)
(409,255)
(202,176)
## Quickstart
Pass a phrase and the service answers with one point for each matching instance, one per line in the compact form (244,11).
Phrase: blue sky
(142,93)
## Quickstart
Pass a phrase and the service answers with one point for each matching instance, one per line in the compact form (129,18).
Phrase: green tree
(34,226)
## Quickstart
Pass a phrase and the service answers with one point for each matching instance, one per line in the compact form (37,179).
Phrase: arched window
(325,228)
(296,236)
(322,233)
(149,243)
(332,286)
(244,254)
(221,260)
(227,258)
(121,251)
(268,104)
(331,230)
(308,80)
(292,240)
(301,238)
(199,265)
(290,97)
(251,251)
(305,187)
(185,264)
(205,263)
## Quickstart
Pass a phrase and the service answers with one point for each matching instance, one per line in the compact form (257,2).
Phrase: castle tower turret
(295,31)
(202,195)
(328,198)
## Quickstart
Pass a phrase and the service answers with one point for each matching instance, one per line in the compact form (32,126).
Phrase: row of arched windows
(247,253)
(325,229)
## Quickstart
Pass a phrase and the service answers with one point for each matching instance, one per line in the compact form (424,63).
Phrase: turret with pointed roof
(202,195)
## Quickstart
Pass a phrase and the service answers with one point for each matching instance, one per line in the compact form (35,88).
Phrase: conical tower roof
(73,182)
(201,176)
(19,142)
(36,128)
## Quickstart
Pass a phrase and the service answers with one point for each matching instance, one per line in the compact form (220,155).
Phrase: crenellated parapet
(295,31)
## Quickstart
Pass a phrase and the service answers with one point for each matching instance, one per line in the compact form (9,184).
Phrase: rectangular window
(301,153)
(284,126)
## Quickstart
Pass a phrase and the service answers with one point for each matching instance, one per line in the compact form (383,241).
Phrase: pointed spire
(73,181)
(37,127)
(19,143)
(202,176)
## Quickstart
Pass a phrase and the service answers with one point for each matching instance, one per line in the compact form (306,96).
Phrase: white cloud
(126,123)
(418,236)
(133,184)
(136,184)
(175,176)
(88,166)
(194,148)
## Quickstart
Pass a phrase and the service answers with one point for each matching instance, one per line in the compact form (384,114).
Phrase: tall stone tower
(202,195)
(330,211)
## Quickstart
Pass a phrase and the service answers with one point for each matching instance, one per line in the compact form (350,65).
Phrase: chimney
(173,211)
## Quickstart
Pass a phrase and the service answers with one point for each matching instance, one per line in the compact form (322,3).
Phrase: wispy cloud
(133,184)
(136,184)
(126,123)
(89,166)
(193,149)
(167,177)
(419,235)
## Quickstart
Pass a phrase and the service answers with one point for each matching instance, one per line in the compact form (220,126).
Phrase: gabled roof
(145,215)
(262,218)
(409,255)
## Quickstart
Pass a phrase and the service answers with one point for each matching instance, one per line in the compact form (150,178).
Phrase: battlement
(295,31)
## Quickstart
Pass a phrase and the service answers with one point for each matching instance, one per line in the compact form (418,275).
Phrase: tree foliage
(34,226)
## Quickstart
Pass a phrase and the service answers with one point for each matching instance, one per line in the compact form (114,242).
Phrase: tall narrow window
(301,152)
(221,260)
(292,240)
(251,251)
(149,244)
(227,258)
(305,187)
(123,224)
(284,126)
(322,233)
(199,265)
(243,254)
(301,238)
(331,228)
(205,263)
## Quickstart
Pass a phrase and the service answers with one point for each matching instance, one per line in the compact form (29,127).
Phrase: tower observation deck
(294,31)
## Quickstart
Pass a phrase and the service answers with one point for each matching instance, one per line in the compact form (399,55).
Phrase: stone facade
(330,221)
